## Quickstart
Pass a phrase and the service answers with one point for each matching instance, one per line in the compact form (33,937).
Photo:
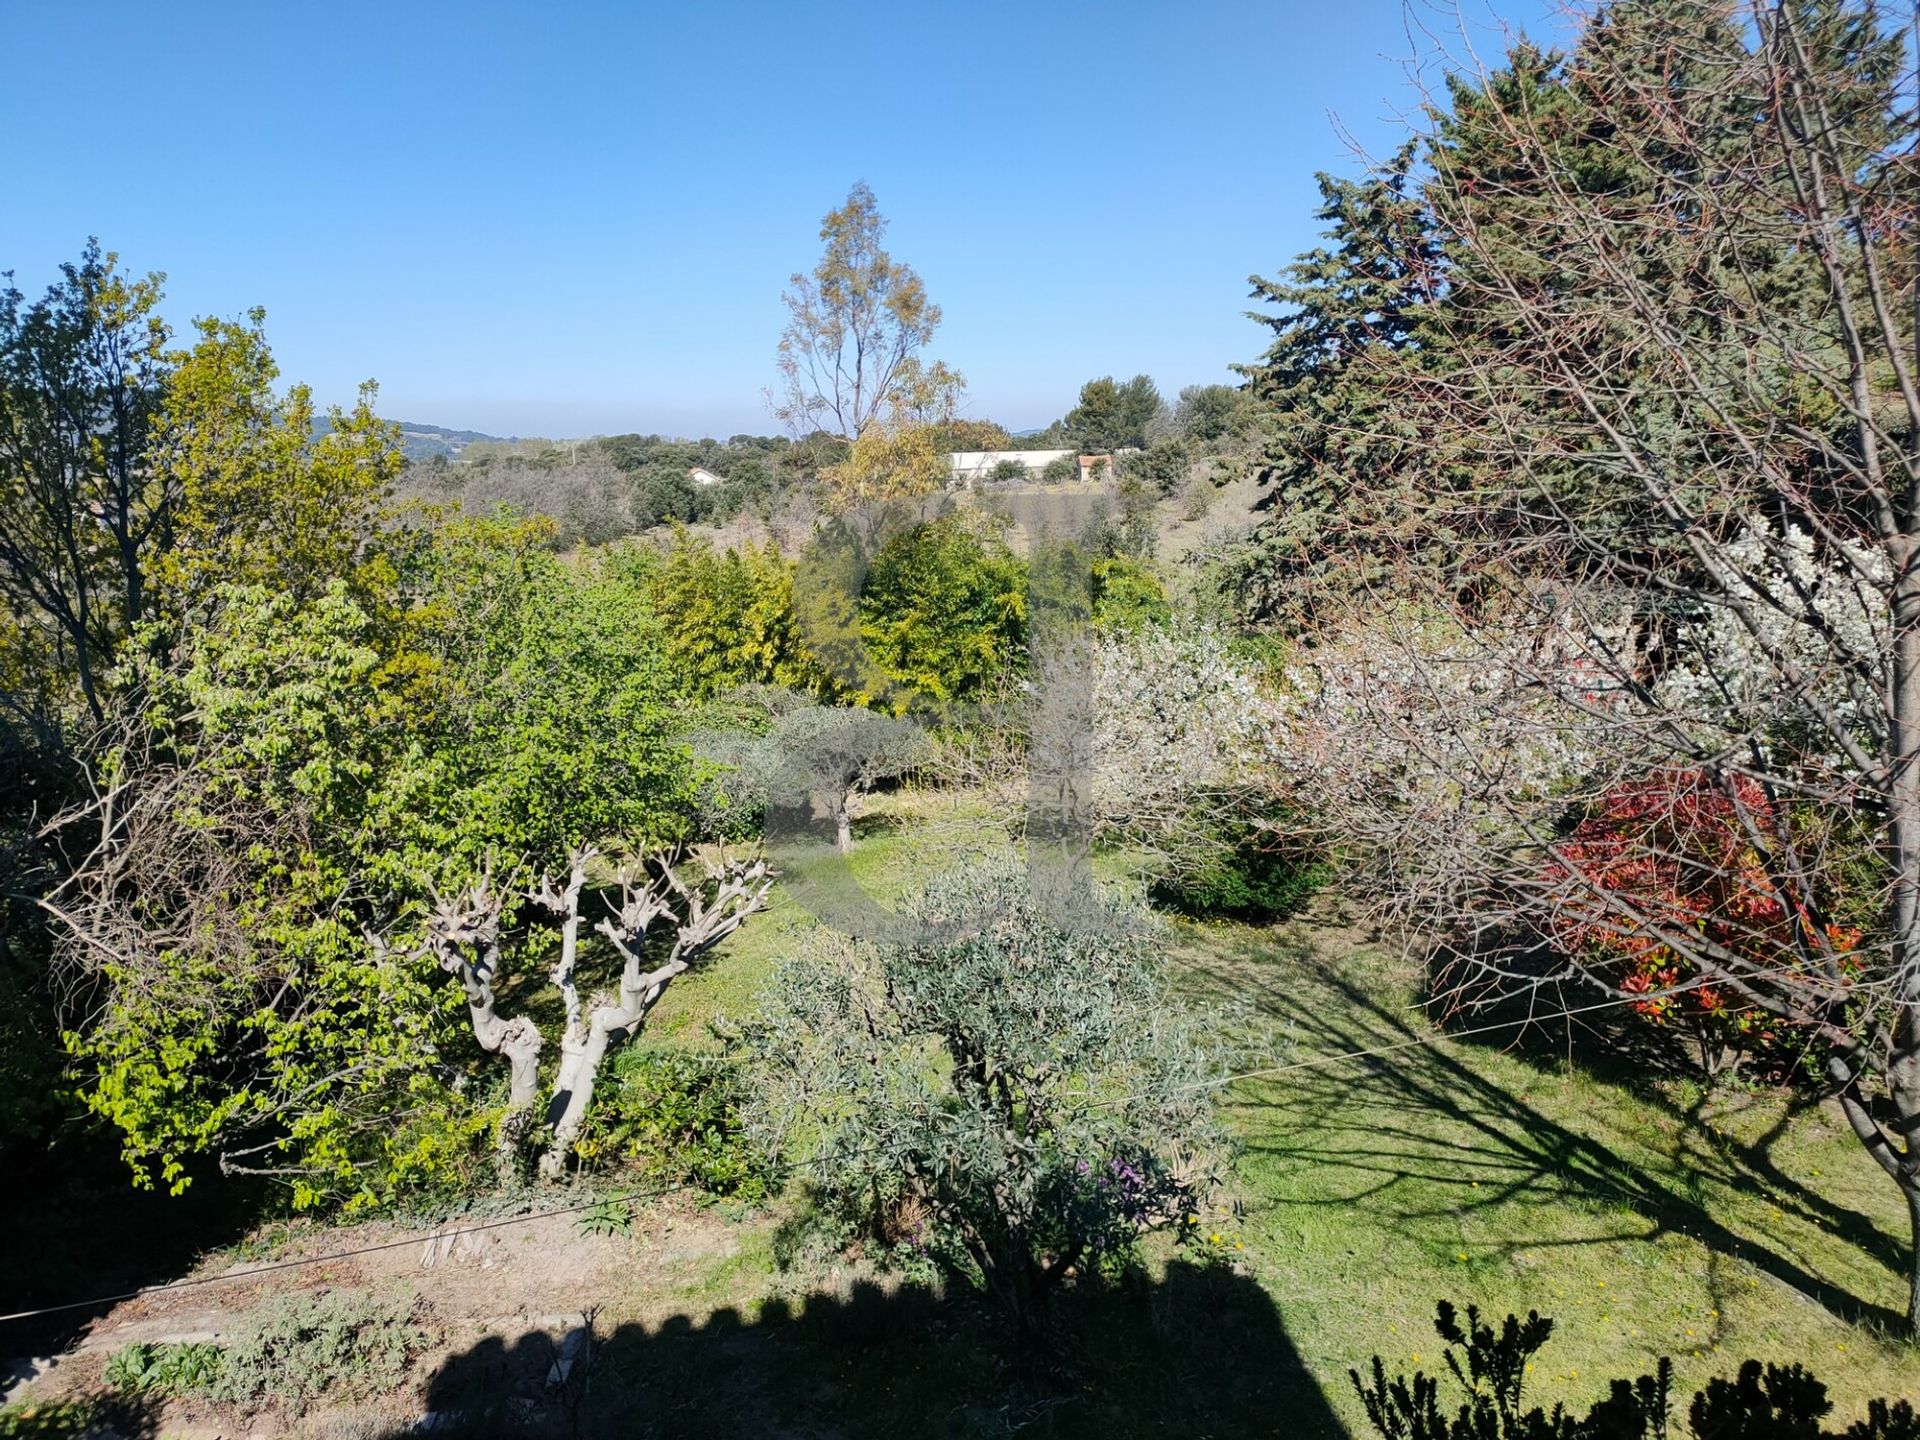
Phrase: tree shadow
(1635,1056)
(1428,1138)
(1201,1353)
(78,1228)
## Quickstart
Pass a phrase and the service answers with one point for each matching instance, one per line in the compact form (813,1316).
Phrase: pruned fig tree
(464,935)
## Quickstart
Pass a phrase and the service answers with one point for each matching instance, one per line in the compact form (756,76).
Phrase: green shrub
(1247,874)
(675,1115)
(51,1420)
(185,1369)
(342,1345)
(609,1217)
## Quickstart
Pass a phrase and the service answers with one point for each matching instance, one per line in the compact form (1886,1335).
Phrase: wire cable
(1217,1082)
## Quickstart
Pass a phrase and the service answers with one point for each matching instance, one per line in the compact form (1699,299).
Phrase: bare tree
(465,935)
(1660,708)
(701,919)
(855,327)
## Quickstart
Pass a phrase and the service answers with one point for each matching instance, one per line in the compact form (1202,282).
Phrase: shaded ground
(1647,1218)
(1202,1353)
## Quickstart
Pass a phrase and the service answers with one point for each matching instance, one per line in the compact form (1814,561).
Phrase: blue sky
(577,218)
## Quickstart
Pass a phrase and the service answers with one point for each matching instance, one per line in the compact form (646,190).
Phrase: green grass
(1646,1215)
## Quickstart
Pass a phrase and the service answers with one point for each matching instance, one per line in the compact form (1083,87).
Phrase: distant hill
(423,442)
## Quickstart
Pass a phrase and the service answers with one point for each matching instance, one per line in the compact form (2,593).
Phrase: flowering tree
(1668,854)
(1664,513)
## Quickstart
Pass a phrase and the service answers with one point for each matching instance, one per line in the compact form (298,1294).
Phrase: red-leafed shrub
(1695,890)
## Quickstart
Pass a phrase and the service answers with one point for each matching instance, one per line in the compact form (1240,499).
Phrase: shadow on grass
(1429,1138)
(1203,1353)
(1633,1056)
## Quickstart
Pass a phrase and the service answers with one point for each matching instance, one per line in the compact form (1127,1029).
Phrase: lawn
(1646,1214)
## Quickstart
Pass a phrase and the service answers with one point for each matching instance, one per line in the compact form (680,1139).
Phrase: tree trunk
(568,1110)
(1902,1161)
(1913,1261)
(842,830)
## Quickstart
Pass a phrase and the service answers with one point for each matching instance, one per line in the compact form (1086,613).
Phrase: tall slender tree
(82,375)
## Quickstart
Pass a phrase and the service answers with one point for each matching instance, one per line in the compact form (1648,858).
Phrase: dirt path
(510,1294)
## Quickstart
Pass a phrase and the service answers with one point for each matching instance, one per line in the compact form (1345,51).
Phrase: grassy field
(1646,1215)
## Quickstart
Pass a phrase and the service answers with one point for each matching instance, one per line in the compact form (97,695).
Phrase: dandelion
(1461,1256)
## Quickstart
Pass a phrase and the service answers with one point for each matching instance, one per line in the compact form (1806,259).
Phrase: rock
(16,1375)
(573,1350)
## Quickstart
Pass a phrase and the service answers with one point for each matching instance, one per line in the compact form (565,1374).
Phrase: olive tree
(1014,1093)
(826,758)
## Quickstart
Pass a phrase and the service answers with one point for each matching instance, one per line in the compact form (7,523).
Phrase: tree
(1352,316)
(1016,1097)
(943,610)
(1113,416)
(266,497)
(729,620)
(702,915)
(855,328)
(1685,542)
(82,506)
(831,757)
(286,806)
(1213,417)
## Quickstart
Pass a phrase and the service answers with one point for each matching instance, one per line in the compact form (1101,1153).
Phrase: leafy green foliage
(50,1420)
(1015,1095)
(607,1218)
(299,779)
(1127,594)
(264,499)
(728,619)
(1160,467)
(82,507)
(192,1367)
(943,610)
(1112,415)
(1247,872)
(676,1116)
(1212,418)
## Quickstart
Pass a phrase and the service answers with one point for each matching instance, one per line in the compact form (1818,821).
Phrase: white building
(700,475)
(970,467)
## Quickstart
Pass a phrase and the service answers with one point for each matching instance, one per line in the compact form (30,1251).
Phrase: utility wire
(1217,1082)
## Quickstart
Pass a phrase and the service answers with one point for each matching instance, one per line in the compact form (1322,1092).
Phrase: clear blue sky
(570,218)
